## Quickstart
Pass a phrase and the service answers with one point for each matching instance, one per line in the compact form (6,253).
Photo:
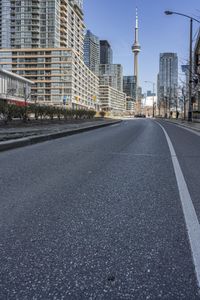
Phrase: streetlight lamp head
(168,12)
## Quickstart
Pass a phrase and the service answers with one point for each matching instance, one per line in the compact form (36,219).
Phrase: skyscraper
(92,51)
(112,75)
(106,53)
(168,79)
(129,86)
(43,41)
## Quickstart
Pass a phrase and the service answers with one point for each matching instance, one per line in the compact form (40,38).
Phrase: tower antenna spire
(136,19)
(136,50)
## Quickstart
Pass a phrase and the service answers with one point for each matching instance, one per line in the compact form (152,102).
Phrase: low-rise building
(14,89)
(112,100)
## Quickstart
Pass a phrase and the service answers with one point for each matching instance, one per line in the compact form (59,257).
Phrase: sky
(114,20)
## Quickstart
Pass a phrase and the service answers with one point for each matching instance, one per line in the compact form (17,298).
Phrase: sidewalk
(19,134)
(191,125)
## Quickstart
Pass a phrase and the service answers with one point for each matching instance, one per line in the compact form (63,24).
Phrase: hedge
(40,112)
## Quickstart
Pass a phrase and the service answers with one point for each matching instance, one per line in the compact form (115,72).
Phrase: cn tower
(136,50)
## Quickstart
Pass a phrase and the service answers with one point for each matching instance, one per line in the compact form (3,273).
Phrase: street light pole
(190,111)
(153,99)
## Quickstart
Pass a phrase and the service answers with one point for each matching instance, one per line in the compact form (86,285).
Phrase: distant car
(140,116)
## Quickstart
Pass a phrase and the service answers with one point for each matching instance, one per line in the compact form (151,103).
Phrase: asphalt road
(98,216)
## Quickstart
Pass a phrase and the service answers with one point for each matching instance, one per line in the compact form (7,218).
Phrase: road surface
(98,215)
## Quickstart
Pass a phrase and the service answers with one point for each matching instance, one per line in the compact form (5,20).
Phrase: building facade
(106,53)
(130,105)
(92,52)
(168,81)
(14,89)
(112,100)
(45,44)
(79,3)
(129,86)
(112,75)
(58,73)
(41,24)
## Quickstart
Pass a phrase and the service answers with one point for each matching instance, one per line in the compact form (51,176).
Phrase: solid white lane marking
(190,215)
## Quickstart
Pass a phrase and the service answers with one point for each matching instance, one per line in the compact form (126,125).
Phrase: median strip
(22,142)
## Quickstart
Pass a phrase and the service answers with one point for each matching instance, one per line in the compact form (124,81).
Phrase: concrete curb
(8,145)
(182,125)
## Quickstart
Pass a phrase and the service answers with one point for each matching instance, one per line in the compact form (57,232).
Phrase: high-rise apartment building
(106,53)
(168,79)
(43,41)
(41,24)
(5,21)
(112,100)
(111,93)
(92,51)
(112,75)
(79,3)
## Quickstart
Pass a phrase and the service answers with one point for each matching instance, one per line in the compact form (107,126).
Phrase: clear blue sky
(114,20)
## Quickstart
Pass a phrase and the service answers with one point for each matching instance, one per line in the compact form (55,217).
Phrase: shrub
(10,111)
(102,113)
(3,110)
(50,112)
(42,111)
(91,114)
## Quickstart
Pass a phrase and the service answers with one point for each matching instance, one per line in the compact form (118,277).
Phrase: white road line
(191,220)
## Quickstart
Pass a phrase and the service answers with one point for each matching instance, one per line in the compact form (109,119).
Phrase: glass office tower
(168,78)
(129,86)
(106,53)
